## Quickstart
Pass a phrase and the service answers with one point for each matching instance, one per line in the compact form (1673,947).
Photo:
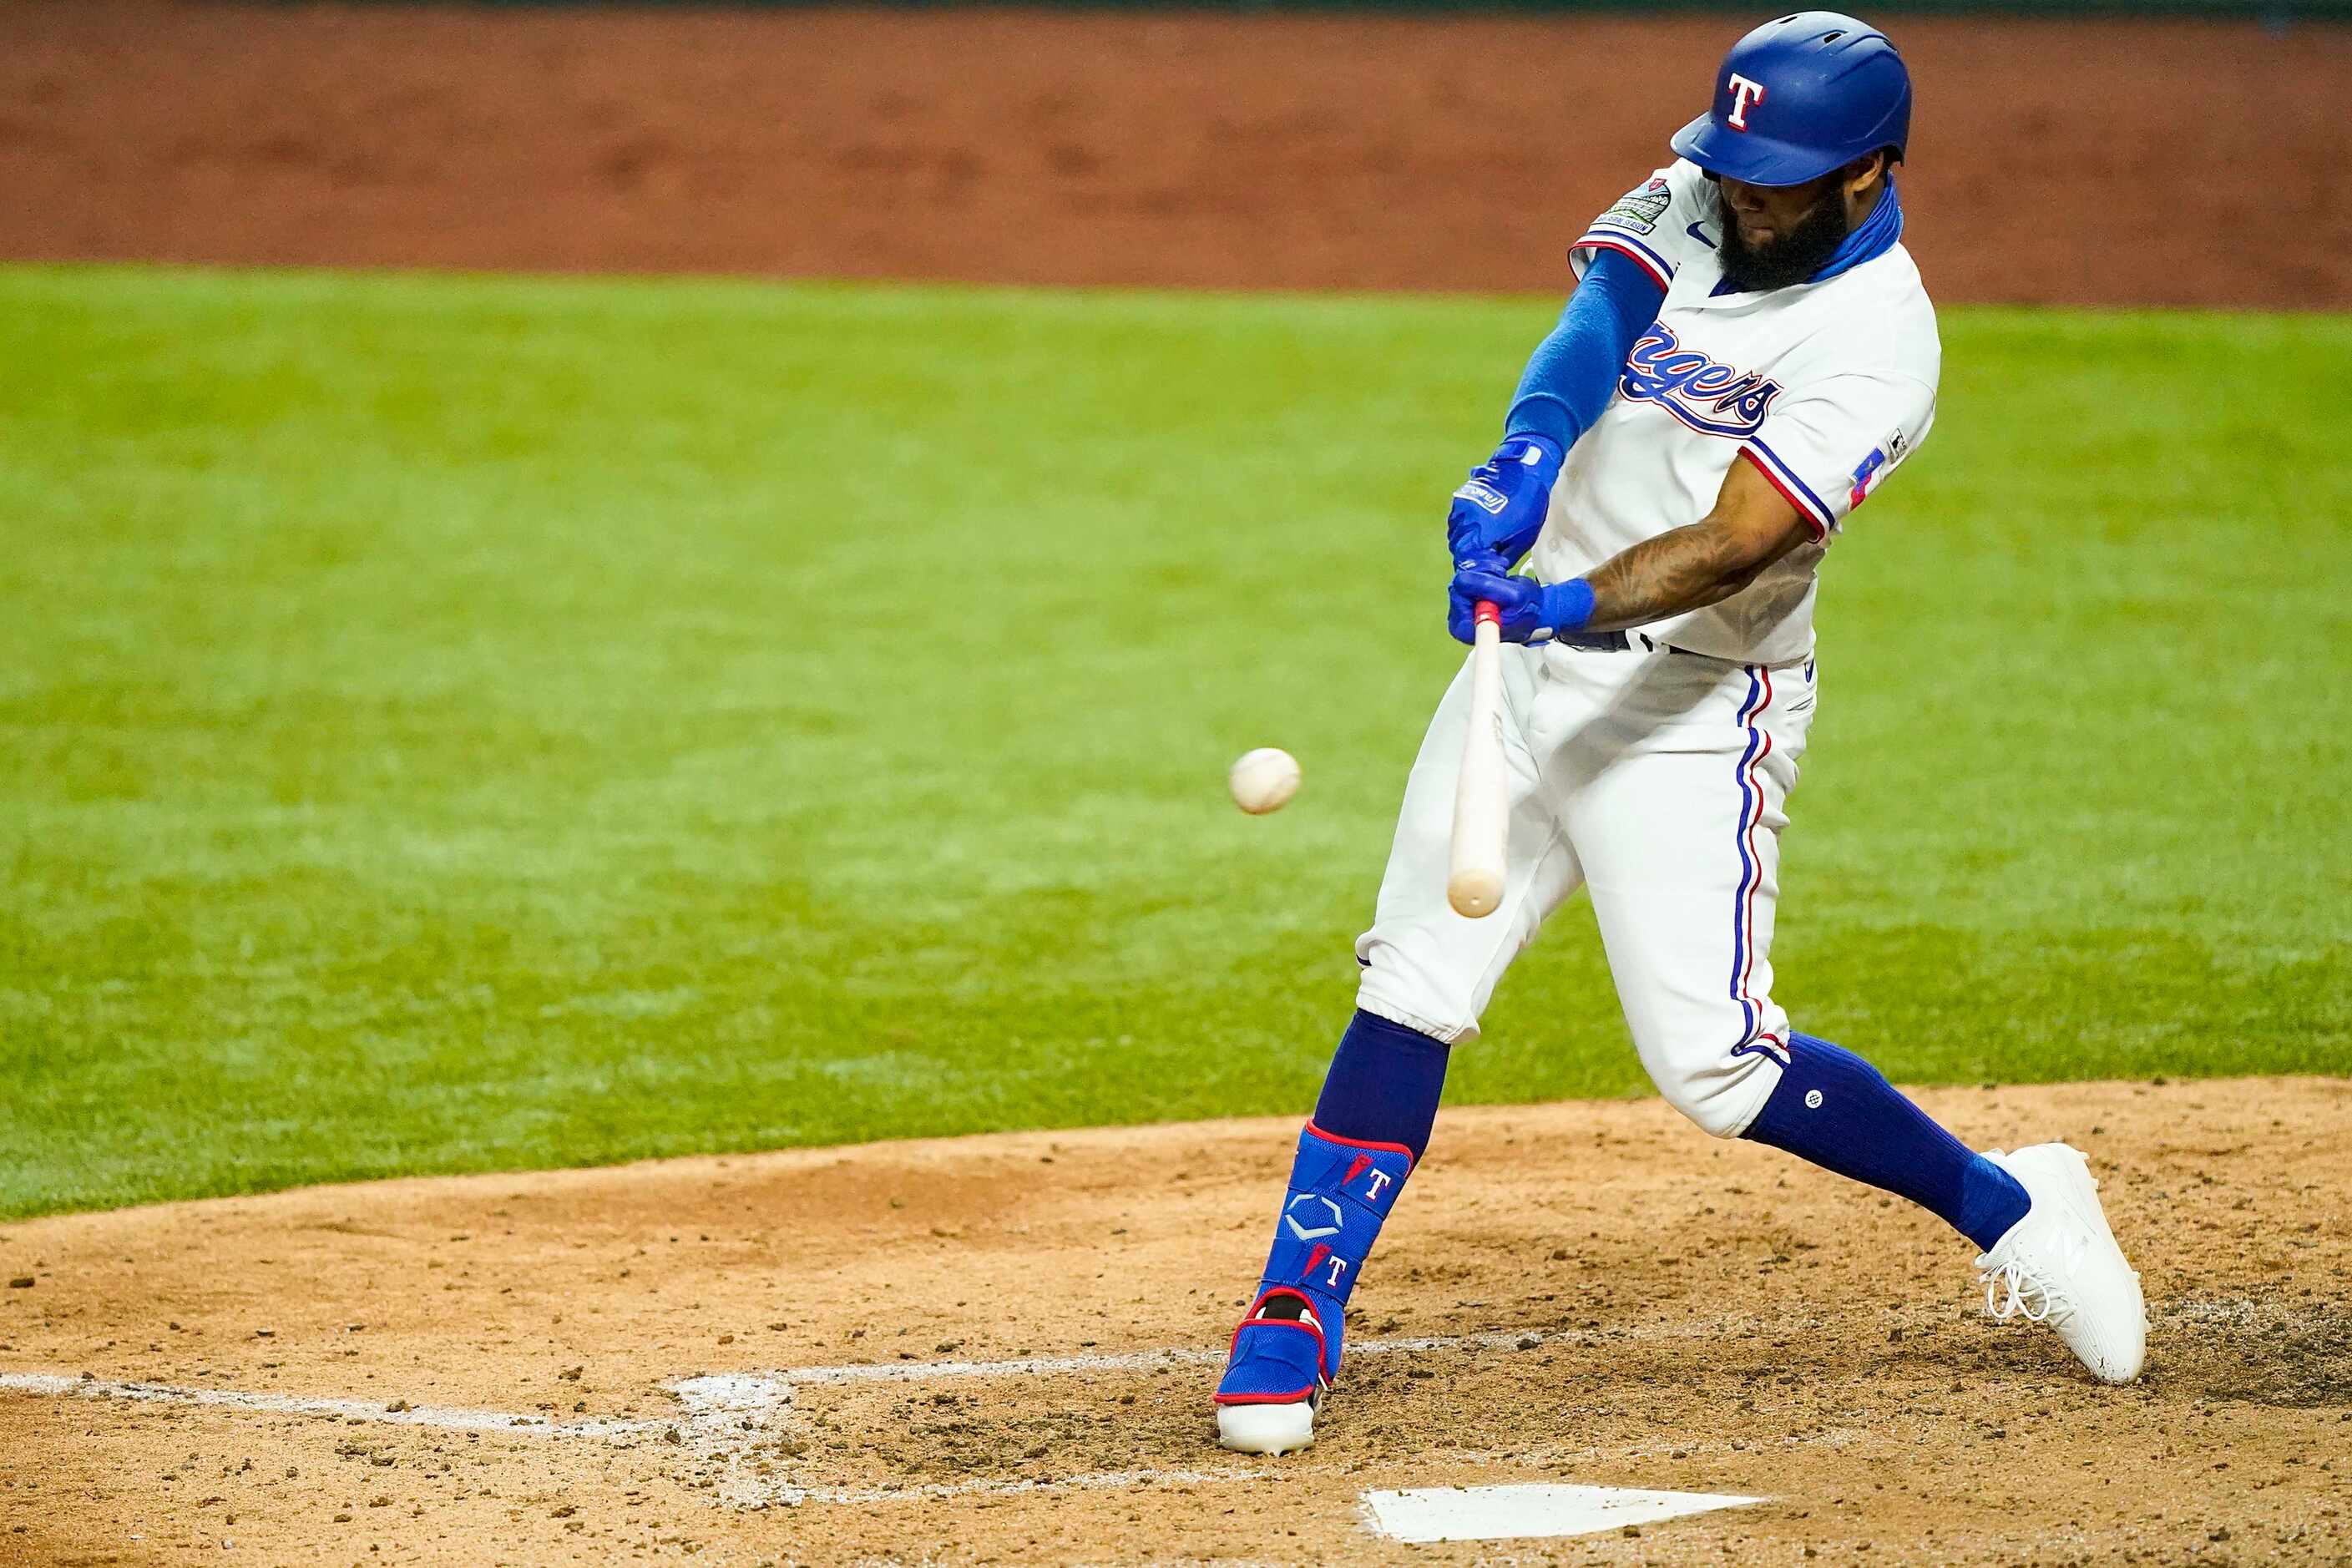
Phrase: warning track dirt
(2092,161)
(1002,1348)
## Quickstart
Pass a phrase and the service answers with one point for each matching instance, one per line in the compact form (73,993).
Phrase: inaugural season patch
(1638,210)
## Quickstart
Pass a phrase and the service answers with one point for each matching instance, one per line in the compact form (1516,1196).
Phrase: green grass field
(454,724)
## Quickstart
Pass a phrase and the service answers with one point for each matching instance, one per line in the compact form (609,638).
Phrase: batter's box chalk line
(737,1423)
(743,1424)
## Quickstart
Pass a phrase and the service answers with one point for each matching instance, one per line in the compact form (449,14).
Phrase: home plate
(1517,1513)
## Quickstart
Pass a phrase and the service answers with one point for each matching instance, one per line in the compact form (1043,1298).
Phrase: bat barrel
(1474,881)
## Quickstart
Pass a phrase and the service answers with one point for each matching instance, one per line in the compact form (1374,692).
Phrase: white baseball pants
(1656,780)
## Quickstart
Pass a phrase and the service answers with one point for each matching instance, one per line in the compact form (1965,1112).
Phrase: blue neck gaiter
(1874,239)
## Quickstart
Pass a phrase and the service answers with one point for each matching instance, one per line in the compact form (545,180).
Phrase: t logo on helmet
(1745,94)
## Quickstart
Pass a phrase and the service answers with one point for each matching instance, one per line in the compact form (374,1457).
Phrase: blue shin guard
(1287,1347)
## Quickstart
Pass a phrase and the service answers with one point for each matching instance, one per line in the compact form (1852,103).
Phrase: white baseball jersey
(1825,386)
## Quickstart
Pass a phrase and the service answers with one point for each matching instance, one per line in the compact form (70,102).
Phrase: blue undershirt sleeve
(1572,371)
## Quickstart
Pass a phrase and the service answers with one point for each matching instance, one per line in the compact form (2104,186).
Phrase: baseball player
(1747,355)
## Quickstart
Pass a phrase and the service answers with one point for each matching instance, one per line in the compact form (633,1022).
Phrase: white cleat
(1266,1428)
(2060,1265)
(1266,1400)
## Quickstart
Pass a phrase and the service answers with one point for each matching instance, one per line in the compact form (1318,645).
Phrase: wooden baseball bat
(1474,884)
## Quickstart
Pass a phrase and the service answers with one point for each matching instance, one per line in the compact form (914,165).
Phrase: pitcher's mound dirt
(1616,1300)
(2091,161)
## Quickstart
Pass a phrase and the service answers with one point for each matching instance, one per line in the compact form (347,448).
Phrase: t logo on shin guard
(1381,1178)
(1331,1262)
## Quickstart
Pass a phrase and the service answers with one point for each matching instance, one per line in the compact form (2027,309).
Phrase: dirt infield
(2094,163)
(798,1357)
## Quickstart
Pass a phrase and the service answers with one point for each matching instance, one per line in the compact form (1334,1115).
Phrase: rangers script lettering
(1695,389)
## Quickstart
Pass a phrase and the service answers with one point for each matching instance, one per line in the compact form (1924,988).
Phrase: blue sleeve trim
(1601,241)
(1572,373)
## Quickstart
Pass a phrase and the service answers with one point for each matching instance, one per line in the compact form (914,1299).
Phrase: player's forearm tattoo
(1685,569)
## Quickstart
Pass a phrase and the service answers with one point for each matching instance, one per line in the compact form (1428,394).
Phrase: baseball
(1263,779)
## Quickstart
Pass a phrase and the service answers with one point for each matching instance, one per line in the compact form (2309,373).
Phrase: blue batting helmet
(1799,97)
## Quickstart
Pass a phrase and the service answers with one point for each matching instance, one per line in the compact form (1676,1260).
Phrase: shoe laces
(2013,1291)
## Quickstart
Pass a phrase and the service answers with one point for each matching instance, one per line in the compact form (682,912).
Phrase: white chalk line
(399,1414)
(724,1415)
(743,1394)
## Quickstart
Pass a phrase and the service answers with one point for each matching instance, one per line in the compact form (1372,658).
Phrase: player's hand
(1482,576)
(1502,507)
(1531,611)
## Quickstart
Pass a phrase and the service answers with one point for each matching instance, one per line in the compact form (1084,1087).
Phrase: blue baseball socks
(1370,1125)
(1383,1085)
(1836,1111)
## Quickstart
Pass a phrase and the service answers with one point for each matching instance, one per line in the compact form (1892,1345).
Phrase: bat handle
(1487,612)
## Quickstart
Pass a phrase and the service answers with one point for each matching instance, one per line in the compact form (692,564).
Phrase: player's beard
(1794,256)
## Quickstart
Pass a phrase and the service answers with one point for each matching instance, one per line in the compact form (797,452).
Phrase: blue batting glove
(1532,611)
(1502,508)
(1481,565)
